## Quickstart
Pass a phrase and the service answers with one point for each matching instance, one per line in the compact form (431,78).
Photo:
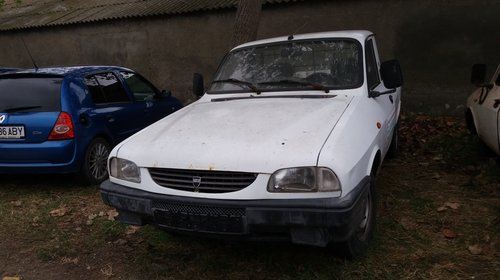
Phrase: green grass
(408,243)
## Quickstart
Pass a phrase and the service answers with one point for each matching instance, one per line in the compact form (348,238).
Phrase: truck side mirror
(478,74)
(198,87)
(391,73)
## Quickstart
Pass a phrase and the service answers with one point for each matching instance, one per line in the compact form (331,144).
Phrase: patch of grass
(154,236)
(408,243)
(57,246)
(108,230)
(421,205)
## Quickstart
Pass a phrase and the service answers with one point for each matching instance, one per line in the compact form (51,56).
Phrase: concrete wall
(436,41)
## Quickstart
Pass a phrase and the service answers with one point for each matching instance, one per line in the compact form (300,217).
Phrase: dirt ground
(438,218)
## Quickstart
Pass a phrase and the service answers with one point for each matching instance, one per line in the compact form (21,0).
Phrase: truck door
(389,103)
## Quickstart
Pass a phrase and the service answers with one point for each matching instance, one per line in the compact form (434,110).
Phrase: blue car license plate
(11,132)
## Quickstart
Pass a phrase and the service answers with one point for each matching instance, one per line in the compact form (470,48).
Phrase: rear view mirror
(391,73)
(198,87)
(478,74)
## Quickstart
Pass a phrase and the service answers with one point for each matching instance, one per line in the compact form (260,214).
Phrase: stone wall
(436,41)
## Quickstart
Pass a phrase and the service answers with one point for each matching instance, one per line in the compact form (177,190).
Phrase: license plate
(11,132)
(200,223)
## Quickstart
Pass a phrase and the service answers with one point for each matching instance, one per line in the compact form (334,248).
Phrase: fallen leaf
(107,270)
(131,230)
(66,260)
(17,203)
(11,278)
(452,205)
(59,212)
(120,242)
(442,208)
(475,249)
(112,214)
(448,233)
(91,216)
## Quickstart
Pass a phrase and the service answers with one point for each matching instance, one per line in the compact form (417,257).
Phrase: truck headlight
(304,179)
(124,169)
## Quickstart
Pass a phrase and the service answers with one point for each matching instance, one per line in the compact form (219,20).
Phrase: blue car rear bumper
(46,157)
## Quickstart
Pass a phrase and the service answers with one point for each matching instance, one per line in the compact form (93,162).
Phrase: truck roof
(359,35)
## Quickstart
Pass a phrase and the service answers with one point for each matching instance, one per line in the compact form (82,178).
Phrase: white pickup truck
(483,107)
(284,144)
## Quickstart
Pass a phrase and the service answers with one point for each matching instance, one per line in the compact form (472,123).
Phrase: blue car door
(114,107)
(157,105)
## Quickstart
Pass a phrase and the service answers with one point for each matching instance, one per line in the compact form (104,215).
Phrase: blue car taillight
(63,129)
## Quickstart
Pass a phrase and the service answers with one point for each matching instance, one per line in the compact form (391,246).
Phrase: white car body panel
(284,130)
(267,134)
(483,104)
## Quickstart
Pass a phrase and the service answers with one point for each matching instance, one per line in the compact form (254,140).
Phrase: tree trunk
(247,21)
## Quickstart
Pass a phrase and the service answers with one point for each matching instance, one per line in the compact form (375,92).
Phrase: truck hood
(257,134)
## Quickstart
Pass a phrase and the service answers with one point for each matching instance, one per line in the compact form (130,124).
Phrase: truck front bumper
(303,221)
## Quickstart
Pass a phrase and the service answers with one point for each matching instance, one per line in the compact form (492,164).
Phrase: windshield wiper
(308,96)
(303,83)
(21,108)
(239,82)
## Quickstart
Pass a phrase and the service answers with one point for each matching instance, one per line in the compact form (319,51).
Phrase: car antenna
(291,37)
(29,53)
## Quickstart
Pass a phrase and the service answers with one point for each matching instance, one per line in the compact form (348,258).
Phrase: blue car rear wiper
(20,108)
(238,82)
(303,83)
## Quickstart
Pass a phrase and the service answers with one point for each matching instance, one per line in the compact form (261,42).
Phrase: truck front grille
(202,181)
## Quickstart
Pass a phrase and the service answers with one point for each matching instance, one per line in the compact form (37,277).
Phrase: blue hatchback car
(67,119)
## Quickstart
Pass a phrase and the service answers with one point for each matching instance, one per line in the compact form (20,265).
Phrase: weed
(109,229)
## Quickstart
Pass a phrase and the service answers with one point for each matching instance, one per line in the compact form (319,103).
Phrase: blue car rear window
(30,94)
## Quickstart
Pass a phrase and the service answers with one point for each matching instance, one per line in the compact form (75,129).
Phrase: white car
(483,107)
(284,145)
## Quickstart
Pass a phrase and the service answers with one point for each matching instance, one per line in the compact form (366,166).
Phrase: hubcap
(363,225)
(97,161)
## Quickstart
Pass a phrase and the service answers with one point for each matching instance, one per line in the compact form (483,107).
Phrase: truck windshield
(299,65)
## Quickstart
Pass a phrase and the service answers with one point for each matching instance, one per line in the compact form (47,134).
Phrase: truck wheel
(394,147)
(357,244)
(94,169)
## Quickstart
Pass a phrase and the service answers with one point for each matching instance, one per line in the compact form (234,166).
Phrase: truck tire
(394,146)
(357,244)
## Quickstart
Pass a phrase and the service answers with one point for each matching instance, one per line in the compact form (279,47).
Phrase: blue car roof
(66,70)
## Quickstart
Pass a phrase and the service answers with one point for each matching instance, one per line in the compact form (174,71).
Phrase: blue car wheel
(94,169)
